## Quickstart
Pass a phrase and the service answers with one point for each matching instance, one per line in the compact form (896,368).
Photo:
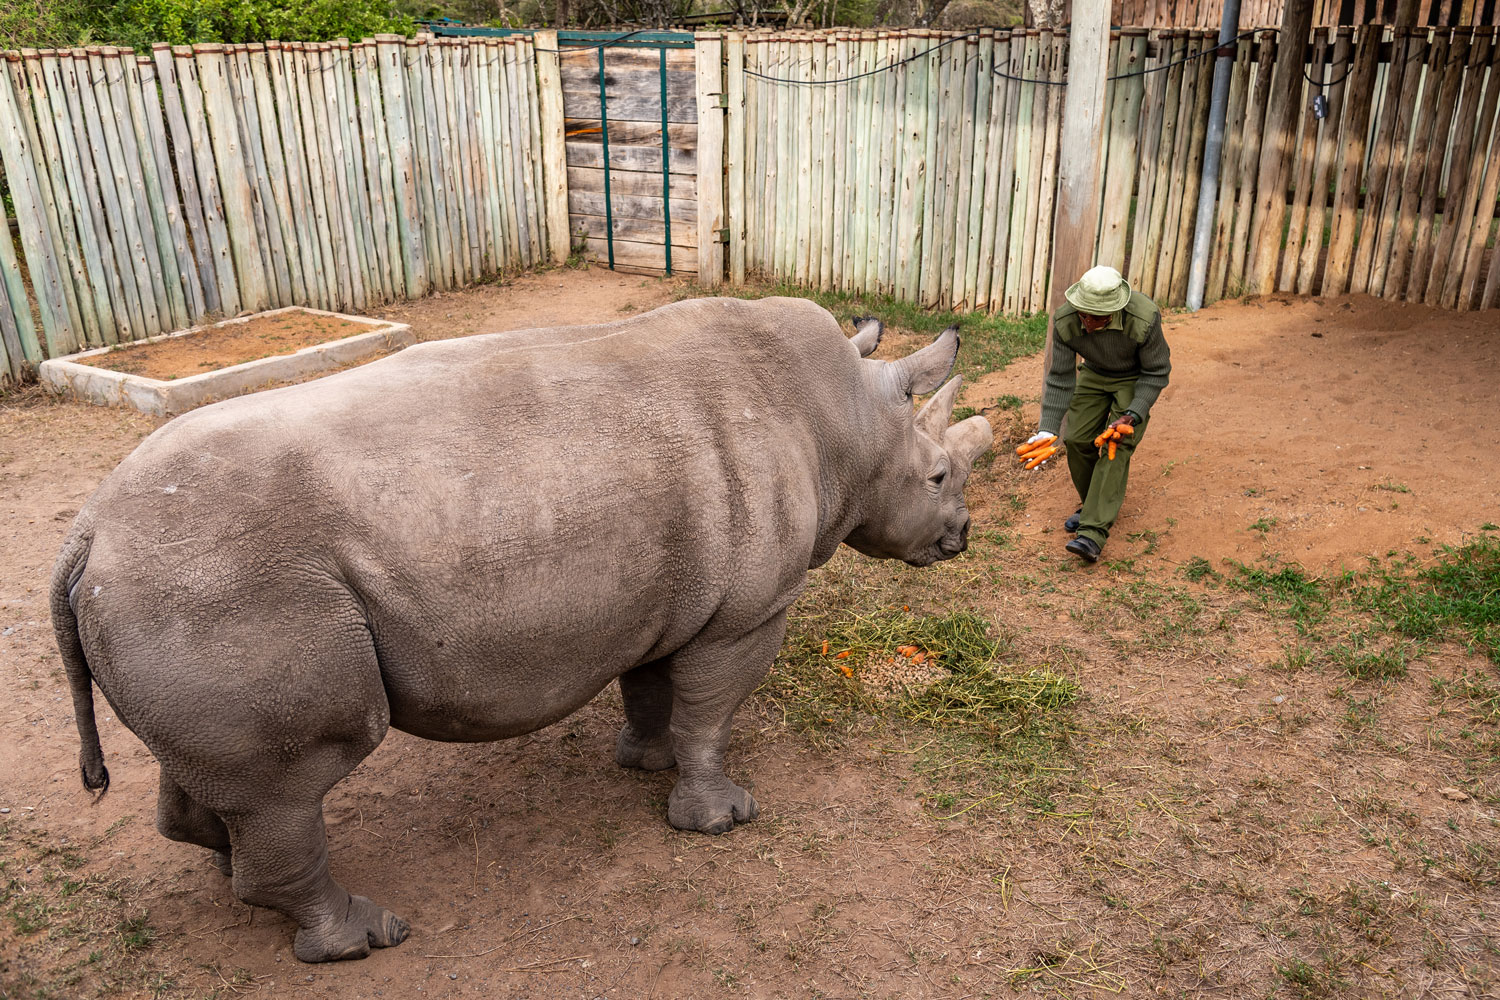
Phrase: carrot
(1041,457)
(1127,430)
(919,658)
(1111,451)
(846,671)
(825,647)
(842,655)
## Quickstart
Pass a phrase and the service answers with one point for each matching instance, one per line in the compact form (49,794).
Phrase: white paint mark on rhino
(96,591)
(169,489)
(748,414)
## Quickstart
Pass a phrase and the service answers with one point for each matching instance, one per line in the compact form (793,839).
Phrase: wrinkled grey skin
(468,541)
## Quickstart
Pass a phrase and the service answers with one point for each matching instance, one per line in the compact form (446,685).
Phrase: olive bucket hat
(1102,290)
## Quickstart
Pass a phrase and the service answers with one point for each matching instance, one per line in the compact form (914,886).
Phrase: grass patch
(987,734)
(1286,589)
(990,342)
(1461,591)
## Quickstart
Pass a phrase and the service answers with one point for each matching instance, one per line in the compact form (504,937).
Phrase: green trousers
(1097,401)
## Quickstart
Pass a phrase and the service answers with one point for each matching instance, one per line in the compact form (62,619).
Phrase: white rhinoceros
(468,541)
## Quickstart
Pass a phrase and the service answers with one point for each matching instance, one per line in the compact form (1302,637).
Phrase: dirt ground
(226,345)
(1217,826)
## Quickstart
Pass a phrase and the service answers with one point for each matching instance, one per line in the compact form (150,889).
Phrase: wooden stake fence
(154,192)
(940,187)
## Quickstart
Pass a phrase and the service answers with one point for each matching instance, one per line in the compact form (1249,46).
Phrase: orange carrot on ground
(919,658)
(842,655)
(825,647)
(846,671)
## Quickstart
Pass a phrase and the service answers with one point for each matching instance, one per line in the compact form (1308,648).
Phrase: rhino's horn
(968,439)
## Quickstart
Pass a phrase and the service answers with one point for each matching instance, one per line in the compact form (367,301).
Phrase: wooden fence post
(708,47)
(1077,217)
(1276,148)
(737,130)
(554,153)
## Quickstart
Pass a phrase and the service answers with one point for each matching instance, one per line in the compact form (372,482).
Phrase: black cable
(1332,83)
(1006,76)
(871,72)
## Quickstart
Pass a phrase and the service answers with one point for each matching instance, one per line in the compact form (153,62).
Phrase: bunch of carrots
(1113,435)
(1037,452)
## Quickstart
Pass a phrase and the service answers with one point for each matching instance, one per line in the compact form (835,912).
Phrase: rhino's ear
(867,333)
(968,439)
(933,418)
(920,373)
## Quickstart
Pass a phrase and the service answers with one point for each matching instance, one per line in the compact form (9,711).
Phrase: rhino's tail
(65,576)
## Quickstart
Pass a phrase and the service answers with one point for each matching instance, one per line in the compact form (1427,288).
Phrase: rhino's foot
(712,810)
(634,750)
(365,926)
(224,861)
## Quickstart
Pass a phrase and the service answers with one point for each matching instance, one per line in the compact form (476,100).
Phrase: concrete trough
(166,397)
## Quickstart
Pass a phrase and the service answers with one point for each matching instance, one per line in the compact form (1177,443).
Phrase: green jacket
(1131,345)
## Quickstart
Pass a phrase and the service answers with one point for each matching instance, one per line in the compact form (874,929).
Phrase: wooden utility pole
(1279,135)
(1076,220)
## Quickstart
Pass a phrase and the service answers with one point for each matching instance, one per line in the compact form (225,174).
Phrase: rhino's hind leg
(646,738)
(709,680)
(281,861)
(182,818)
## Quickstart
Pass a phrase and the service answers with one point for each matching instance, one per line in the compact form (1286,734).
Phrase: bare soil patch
(222,346)
(1227,811)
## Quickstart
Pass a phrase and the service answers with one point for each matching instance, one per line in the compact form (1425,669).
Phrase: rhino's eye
(937,477)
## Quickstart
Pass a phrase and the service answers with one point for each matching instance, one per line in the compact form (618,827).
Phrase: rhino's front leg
(710,677)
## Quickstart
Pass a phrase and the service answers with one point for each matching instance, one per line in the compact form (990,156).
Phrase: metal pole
(1208,189)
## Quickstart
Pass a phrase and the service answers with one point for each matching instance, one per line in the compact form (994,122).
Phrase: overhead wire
(1007,76)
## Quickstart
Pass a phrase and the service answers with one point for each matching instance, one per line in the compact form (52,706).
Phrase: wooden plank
(17,328)
(709,52)
(1174,126)
(390,55)
(42,266)
(298,199)
(828,155)
(1463,184)
(452,53)
(125,163)
(1278,133)
(643,183)
(130,311)
(360,190)
(1153,105)
(1016,153)
(1324,161)
(93,240)
(328,118)
(636,230)
(191,142)
(632,106)
(1218,265)
(555,152)
(1192,177)
(1421,260)
(888,143)
(736,124)
(837,175)
(986,193)
(1250,157)
(303,68)
(929,231)
(516,108)
(189,283)
(1377,182)
(532,140)
(116,173)
(255,91)
(806,157)
(1304,157)
(68,228)
(1483,220)
(375,149)
(623,62)
(1042,264)
(450,148)
(505,163)
(268,233)
(1124,134)
(1413,50)
(439,143)
(1355,138)
(630,254)
(969,210)
(234,179)
(52,189)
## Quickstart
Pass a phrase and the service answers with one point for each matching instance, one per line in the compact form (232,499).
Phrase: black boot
(1071,524)
(1085,548)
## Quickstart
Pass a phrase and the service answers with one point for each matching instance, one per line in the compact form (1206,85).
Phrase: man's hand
(1125,420)
(1037,449)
